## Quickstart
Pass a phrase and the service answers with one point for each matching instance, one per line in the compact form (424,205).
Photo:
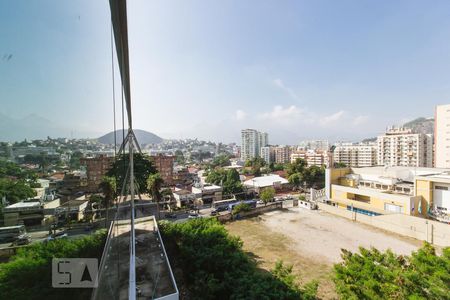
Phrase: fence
(422,229)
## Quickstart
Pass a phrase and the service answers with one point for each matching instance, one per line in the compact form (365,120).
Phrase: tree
(143,168)
(296,179)
(154,183)
(228,179)
(221,160)
(267,194)
(15,190)
(74,162)
(31,268)
(179,157)
(214,265)
(338,165)
(241,207)
(298,166)
(372,274)
(109,189)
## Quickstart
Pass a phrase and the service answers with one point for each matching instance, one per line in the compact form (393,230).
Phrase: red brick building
(96,168)
(164,165)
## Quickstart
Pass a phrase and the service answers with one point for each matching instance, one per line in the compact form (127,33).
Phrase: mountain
(143,137)
(421,125)
(30,127)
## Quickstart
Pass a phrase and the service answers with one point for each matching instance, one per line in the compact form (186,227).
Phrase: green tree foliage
(257,161)
(74,163)
(109,189)
(28,274)
(241,207)
(214,266)
(143,168)
(267,194)
(15,190)
(16,183)
(299,173)
(179,157)
(340,165)
(228,179)
(221,160)
(298,166)
(372,274)
(154,184)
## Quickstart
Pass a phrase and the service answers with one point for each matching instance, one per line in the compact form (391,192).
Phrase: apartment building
(442,136)
(356,154)
(402,147)
(251,143)
(315,145)
(282,154)
(268,154)
(96,168)
(312,157)
(164,165)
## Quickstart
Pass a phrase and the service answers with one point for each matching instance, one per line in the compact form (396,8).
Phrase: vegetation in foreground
(372,274)
(28,275)
(214,266)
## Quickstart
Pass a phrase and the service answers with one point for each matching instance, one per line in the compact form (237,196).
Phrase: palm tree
(109,189)
(154,183)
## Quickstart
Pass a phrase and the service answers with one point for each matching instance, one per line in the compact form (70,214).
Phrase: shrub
(215,266)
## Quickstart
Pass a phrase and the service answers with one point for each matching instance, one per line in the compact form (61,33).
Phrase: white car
(193,216)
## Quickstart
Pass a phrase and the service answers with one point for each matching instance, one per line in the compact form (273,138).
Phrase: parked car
(260,202)
(193,216)
(170,215)
(214,213)
(23,239)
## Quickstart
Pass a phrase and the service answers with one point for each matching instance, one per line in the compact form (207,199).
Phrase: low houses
(391,190)
(30,212)
(272,180)
(73,210)
(183,197)
(208,193)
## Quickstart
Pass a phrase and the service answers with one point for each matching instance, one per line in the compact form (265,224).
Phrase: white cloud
(360,120)
(279,113)
(279,83)
(327,120)
(240,115)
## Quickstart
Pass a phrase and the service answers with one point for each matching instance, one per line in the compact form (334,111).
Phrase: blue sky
(341,70)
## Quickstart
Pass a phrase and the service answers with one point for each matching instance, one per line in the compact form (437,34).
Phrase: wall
(253,212)
(424,189)
(418,228)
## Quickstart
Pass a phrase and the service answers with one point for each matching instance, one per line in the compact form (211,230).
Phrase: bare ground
(311,241)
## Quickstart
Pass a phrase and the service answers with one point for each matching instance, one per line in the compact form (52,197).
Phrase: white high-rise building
(356,154)
(442,136)
(251,143)
(315,145)
(268,154)
(402,147)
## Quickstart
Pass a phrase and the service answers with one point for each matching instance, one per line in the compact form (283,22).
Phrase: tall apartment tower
(442,136)
(251,143)
(402,147)
(282,154)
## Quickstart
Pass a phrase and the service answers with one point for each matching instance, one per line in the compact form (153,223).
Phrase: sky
(337,70)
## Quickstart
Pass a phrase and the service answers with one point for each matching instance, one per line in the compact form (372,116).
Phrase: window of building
(438,187)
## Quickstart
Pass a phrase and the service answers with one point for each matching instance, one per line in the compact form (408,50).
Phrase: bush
(215,266)
(241,207)
(28,275)
(372,274)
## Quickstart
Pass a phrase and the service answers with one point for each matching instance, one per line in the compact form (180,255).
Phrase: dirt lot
(311,241)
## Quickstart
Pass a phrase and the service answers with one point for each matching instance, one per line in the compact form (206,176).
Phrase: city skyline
(298,70)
